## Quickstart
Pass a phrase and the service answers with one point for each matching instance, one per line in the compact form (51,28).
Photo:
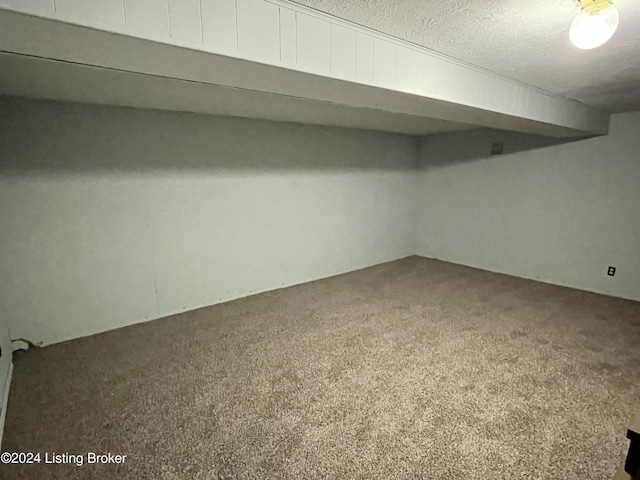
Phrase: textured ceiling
(527,41)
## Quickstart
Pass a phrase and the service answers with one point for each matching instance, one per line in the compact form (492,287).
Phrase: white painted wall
(560,214)
(111,216)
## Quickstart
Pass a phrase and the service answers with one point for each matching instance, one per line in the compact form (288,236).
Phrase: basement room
(319,239)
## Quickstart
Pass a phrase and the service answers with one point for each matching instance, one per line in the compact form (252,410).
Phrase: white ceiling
(526,41)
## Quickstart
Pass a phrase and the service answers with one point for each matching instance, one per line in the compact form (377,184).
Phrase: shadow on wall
(57,137)
(446,149)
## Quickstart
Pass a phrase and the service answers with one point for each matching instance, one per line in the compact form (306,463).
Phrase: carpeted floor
(412,369)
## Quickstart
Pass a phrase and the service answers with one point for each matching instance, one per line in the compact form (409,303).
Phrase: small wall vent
(497,148)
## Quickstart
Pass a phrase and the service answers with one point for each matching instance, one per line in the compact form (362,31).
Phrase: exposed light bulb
(594,26)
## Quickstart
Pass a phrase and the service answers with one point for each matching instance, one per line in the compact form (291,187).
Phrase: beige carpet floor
(412,369)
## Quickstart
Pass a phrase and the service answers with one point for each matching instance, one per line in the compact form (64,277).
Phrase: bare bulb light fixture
(595,24)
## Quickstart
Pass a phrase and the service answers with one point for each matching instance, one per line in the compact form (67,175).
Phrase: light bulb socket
(593,7)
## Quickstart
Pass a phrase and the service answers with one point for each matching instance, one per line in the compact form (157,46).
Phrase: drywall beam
(286,49)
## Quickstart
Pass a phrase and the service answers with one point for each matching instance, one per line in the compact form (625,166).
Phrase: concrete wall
(558,213)
(111,216)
